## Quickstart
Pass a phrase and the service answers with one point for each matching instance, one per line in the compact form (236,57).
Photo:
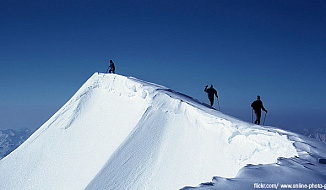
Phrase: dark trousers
(112,70)
(212,101)
(258,116)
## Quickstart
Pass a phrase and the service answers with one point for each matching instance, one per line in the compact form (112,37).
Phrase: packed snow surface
(119,132)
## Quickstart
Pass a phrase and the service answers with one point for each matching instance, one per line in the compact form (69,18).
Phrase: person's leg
(212,101)
(258,117)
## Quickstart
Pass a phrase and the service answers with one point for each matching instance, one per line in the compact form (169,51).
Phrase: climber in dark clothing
(211,92)
(111,67)
(258,106)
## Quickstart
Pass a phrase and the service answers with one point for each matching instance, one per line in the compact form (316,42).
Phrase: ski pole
(218,103)
(264,119)
(252,116)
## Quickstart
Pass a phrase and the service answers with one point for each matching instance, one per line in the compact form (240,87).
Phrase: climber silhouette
(211,92)
(111,67)
(258,106)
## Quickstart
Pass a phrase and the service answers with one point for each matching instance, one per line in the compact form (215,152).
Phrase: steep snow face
(119,132)
(69,149)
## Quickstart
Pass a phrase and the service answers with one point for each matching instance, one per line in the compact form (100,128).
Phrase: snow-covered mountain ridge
(315,133)
(119,132)
(10,139)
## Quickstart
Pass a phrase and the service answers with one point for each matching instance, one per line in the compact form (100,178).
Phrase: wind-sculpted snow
(299,172)
(119,132)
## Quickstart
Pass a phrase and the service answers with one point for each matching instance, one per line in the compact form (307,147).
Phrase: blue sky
(275,49)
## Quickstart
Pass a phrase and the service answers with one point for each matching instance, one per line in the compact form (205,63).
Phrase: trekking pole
(218,103)
(264,119)
(252,116)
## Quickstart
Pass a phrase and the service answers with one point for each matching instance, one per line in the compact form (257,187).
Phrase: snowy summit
(122,133)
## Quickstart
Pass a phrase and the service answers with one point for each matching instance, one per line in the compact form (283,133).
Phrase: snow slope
(299,172)
(119,132)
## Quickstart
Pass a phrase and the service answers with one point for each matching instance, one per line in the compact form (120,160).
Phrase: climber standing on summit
(257,106)
(111,67)
(211,92)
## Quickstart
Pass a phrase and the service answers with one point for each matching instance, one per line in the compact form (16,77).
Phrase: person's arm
(206,88)
(262,107)
(216,94)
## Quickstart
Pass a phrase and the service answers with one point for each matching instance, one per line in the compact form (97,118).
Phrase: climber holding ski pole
(257,106)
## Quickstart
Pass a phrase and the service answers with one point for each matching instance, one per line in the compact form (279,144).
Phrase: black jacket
(211,92)
(258,105)
(112,66)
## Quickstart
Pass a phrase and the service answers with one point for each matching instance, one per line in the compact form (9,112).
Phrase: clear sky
(275,49)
